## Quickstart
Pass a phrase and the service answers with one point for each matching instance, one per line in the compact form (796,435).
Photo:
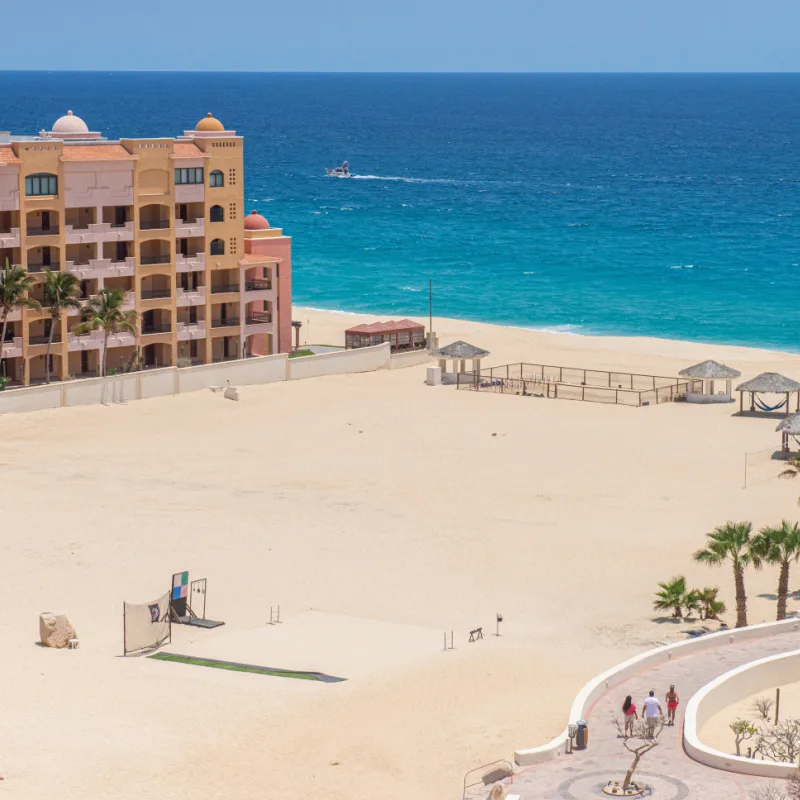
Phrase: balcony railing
(225,288)
(161,258)
(53,265)
(51,231)
(156,328)
(258,317)
(257,285)
(153,225)
(44,339)
(155,294)
(230,322)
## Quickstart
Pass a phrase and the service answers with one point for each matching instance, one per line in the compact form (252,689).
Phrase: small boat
(342,171)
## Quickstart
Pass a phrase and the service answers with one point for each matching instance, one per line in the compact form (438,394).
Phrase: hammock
(765,407)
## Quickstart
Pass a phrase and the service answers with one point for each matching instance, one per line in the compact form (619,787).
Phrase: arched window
(42,183)
(216,178)
(216,214)
(217,247)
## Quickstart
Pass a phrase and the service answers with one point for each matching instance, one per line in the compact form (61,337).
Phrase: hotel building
(161,218)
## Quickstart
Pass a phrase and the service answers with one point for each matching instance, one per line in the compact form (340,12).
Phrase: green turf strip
(234,667)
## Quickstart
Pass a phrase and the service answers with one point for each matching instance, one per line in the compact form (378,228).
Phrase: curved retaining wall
(602,683)
(726,690)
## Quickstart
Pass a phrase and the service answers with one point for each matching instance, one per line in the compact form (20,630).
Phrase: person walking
(630,712)
(651,710)
(672,704)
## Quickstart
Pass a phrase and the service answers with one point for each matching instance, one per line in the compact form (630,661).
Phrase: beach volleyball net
(146,626)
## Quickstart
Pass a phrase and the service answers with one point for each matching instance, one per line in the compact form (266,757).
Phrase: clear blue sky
(407,36)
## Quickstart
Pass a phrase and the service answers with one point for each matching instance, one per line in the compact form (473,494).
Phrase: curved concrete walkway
(670,772)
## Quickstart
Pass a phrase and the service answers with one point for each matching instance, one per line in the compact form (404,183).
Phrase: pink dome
(69,123)
(255,222)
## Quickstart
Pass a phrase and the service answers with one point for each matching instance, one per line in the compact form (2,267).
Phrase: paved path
(670,772)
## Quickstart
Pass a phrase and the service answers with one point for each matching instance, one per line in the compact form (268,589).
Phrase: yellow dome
(208,123)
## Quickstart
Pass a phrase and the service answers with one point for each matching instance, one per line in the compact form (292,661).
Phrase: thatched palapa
(710,371)
(790,425)
(769,382)
(460,350)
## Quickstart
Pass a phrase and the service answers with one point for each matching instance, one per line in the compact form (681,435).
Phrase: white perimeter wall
(739,683)
(363,359)
(171,380)
(606,681)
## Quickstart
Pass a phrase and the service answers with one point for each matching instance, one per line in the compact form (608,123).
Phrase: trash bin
(582,737)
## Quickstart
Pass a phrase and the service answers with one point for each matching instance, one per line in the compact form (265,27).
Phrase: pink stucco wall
(279,247)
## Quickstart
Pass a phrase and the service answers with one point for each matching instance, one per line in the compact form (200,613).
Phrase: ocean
(636,205)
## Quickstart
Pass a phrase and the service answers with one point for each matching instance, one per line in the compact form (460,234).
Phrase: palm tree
(711,607)
(780,545)
(15,284)
(792,469)
(105,312)
(732,542)
(61,290)
(672,597)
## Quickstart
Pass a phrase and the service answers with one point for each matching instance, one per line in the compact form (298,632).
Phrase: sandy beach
(379,513)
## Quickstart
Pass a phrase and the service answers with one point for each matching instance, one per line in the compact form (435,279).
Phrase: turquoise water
(656,205)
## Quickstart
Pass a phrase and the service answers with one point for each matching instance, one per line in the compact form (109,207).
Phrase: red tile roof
(95,152)
(7,156)
(391,326)
(187,150)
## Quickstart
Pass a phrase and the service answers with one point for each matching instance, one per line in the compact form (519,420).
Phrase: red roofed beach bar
(402,335)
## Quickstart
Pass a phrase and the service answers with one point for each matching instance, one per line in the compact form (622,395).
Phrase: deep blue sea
(657,205)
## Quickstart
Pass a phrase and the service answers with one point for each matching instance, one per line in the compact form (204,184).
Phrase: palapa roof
(710,370)
(392,326)
(790,425)
(769,382)
(460,350)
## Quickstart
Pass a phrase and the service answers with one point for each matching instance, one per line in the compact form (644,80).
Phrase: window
(189,175)
(217,247)
(41,183)
(216,214)
(216,178)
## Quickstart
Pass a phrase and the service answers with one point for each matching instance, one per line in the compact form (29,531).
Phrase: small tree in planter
(763,706)
(742,731)
(642,740)
(781,742)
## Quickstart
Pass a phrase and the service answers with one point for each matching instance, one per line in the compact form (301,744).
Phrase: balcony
(191,297)
(191,330)
(193,263)
(160,258)
(186,227)
(230,322)
(51,231)
(156,294)
(257,285)
(53,265)
(153,225)
(220,359)
(258,318)
(85,341)
(154,328)
(225,288)
(13,347)
(34,340)
(102,267)
(9,238)
(99,232)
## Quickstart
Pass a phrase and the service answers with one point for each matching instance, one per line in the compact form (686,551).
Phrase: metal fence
(573,383)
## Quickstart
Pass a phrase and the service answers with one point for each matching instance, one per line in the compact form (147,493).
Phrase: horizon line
(94,70)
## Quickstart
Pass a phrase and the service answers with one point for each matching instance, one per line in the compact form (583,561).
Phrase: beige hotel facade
(162,219)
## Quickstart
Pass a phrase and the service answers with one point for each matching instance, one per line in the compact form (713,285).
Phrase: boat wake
(402,179)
